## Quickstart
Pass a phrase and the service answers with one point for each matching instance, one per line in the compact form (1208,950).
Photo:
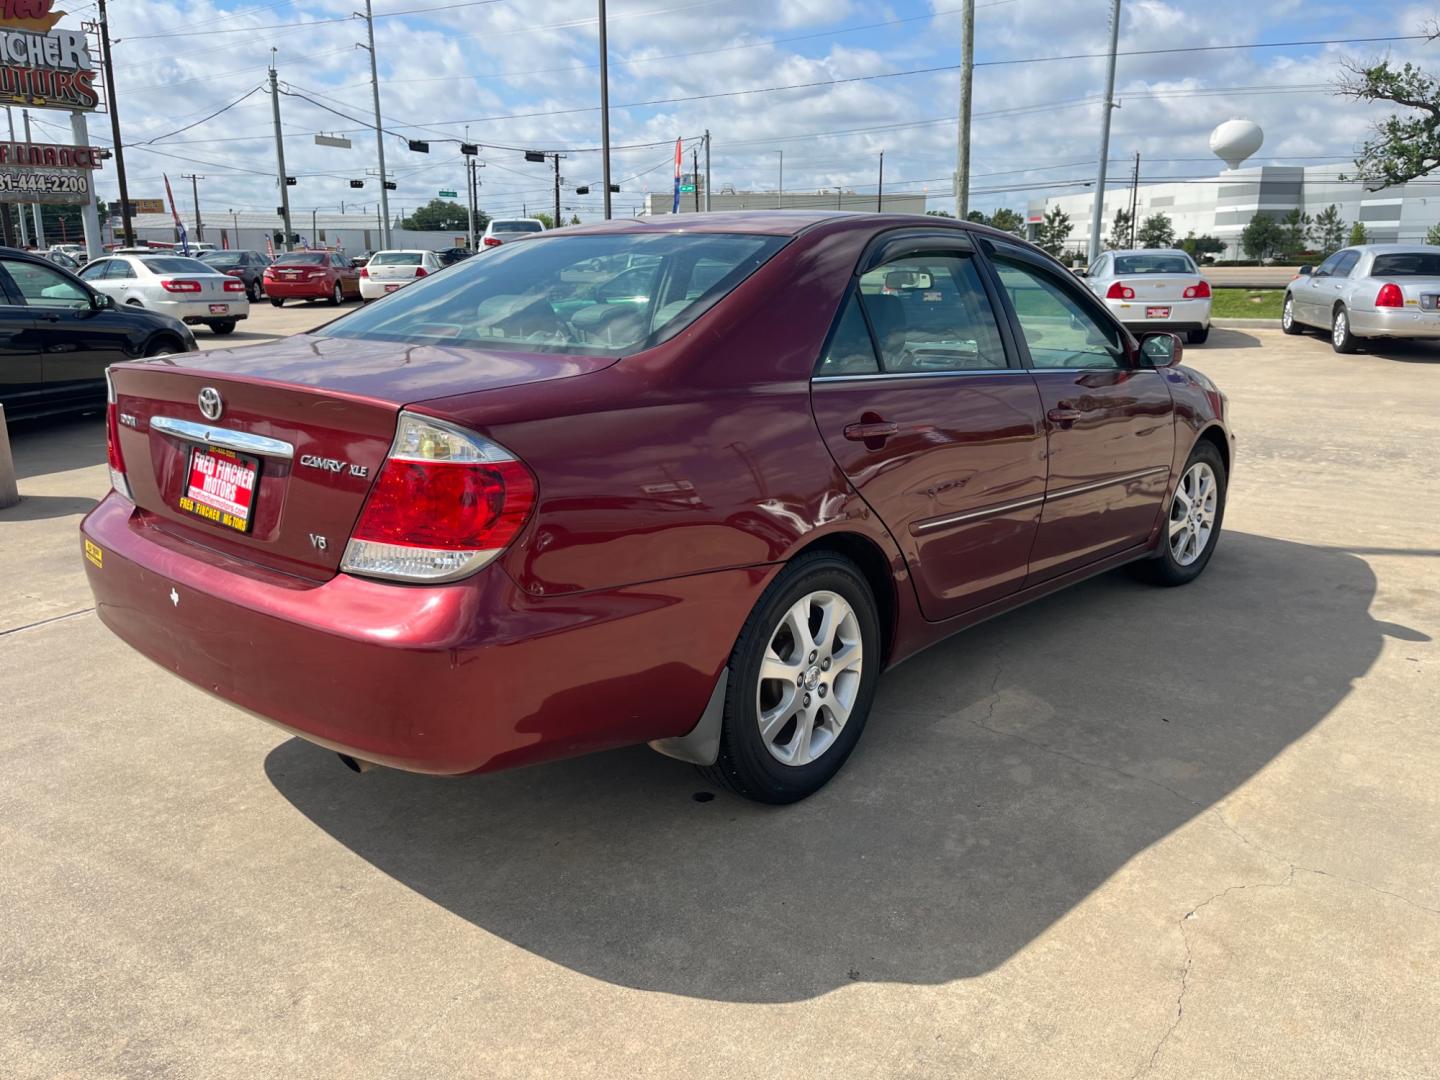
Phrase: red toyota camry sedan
(689,481)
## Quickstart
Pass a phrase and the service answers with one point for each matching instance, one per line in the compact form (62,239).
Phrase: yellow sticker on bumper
(93,553)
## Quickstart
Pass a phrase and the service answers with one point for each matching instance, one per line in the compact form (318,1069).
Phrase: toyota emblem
(211,404)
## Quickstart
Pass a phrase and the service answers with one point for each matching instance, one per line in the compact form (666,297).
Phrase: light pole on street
(780,182)
(379,128)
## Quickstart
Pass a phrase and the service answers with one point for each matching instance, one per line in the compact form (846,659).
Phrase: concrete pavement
(1123,832)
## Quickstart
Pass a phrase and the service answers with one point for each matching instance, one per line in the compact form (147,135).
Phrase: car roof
(1394,249)
(1148,251)
(404,251)
(778,223)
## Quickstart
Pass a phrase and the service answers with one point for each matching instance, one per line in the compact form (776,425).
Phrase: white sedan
(1153,289)
(188,289)
(388,271)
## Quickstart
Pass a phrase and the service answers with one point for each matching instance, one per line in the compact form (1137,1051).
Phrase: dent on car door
(1111,431)
(920,405)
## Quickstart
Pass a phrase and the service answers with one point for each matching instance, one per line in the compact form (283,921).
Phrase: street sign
(50,187)
(419,146)
(687,188)
(333,140)
(448,194)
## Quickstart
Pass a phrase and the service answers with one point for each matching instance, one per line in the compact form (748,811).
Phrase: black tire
(222,326)
(745,765)
(1288,322)
(278,301)
(1165,568)
(162,346)
(1342,339)
(252,291)
(337,295)
(1197,337)
(134,303)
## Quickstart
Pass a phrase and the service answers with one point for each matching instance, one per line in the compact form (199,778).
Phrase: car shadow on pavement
(58,444)
(1222,338)
(1403,351)
(41,507)
(1005,775)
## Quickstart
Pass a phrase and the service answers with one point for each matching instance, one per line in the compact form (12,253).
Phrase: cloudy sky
(861,78)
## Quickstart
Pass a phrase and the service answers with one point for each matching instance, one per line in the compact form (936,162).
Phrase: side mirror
(101,301)
(1306,270)
(1162,350)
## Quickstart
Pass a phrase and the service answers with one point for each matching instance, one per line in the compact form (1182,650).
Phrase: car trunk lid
(1159,288)
(313,416)
(388,271)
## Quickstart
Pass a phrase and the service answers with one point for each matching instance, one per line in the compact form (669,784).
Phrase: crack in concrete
(46,622)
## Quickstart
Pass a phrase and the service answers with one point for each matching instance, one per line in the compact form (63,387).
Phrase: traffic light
(294,237)
(469,148)
(534,155)
(281,211)
(419,146)
(279,237)
(390,185)
(357,183)
(586,189)
(289,181)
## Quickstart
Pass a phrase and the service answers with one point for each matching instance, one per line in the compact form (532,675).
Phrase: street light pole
(707,170)
(279,158)
(604,114)
(379,127)
(111,104)
(780,182)
(880,190)
(1098,211)
(195,194)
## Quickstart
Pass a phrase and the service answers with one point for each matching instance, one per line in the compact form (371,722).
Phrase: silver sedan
(1153,289)
(1373,290)
(190,290)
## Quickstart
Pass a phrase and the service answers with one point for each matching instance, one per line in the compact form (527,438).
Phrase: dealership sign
(41,66)
(46,173)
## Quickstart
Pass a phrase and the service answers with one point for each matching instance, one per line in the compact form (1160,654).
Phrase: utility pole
(195,194)
(379,127)
(1099,211)
(695,175)
(1134,197)
(34,207)
(707,170)
(557,191)
(111,103)
(89,214)
(780,182)
(880,191)
(470,199)
(280,157)
(24,230)
(967,76)
(604,114)
(314,228)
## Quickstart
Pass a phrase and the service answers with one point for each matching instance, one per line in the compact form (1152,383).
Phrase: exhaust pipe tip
(358,765)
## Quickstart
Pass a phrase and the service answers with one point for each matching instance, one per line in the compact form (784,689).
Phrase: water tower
(1235,140)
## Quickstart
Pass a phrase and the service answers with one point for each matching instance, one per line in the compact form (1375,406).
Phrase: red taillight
(1390,296)
(235,273)
(490,241)
(113,453)
(364,271)
(420,271)
(446,502)
(179,285)
(1119,291)
(234,286)
(1198,292)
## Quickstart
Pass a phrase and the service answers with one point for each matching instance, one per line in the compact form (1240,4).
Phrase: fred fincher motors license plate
(220,487)
(1157,313)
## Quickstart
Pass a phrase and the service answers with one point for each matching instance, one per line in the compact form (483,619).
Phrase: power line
(302,22)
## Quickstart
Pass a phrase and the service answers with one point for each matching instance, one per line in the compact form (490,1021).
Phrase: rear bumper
(320,289)
(198,311)
(1184,314)
(373,290)
(460,678)
(1395,322)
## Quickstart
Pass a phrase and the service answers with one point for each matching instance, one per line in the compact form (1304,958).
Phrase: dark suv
(248,266)
(58,335)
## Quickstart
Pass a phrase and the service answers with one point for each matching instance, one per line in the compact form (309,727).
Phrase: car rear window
(516,226)
(397,258)
(1407,264)
(166,265)
(597,295)
(228,258)
(1153,264)
(318,258)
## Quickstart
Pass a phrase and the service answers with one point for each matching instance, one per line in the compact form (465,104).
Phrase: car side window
(1326,268)
(850,350)
(43,286)
(1059,328)
(96,270)
(931,313)
(1101,267)
(120,269)
(1346,263)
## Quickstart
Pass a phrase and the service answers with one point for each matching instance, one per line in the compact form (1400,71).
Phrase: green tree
(1329,231)
(1053,232)
(1358,235)
(1432,235)
(1406,145)
(939,213)
(1199,246)
(441,215)
(976,217)
(1007,220)
(1295,228)
(1157,231)
(1261,237)
(1119,231)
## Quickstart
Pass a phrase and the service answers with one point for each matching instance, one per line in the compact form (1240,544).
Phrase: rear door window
(931,313)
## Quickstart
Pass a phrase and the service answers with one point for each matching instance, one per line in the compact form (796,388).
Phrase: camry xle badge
(211,403)
(334,465)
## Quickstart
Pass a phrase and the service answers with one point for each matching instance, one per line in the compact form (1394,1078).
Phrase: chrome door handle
(1063,415)
(881,429)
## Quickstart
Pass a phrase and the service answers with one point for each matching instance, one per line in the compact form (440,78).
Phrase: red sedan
(312,275)
(694,482)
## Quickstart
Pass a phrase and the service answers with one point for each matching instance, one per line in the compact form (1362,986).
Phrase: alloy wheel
(1341,328)
(809,678)
(1287,314)
(1192,513)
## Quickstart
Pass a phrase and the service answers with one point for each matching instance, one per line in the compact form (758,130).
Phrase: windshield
(601,295)
(1153,264)
(221,258)
(165,265)
(1407,264)
(516,226)
(302,259)
(397,258)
